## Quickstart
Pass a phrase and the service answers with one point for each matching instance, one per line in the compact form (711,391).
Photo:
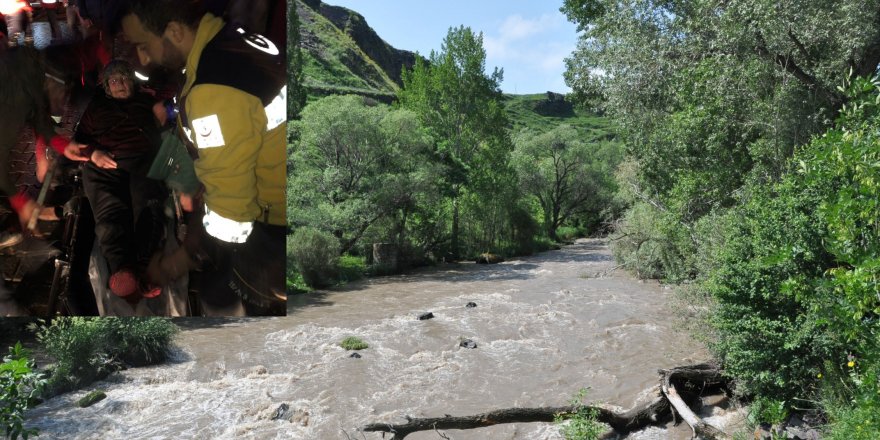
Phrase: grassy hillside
(333,62)
(541,114)
(342,54)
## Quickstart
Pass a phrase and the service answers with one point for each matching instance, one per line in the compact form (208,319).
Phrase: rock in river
(468,343)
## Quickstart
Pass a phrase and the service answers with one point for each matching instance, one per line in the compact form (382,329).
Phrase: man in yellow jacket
(233,117)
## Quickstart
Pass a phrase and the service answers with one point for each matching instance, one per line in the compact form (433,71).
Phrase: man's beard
(173,58)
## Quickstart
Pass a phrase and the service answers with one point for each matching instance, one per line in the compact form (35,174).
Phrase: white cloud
(553,56)
(495,47)
(531,50)
(515,27)
(516,38)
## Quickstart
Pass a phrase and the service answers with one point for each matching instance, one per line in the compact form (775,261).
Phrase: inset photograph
(143,158)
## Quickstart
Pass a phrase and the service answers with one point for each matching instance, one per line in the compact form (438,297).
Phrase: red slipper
(149,290)
(123,283)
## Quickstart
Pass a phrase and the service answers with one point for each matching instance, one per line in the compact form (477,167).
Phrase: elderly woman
(122,131)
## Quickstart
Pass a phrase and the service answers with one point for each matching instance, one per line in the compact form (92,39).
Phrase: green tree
(557,167)
(714,95)
(296,93)
(355,166)
(461,107)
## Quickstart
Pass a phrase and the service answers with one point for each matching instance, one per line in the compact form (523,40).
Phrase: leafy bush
(583,423)
(768,337)
(524,231)
(351,268)
(85,349)
(765,410)
(315,255)
(796,279)
(654,244)
(569,233)
(854,414)
(19,387)
(353,343)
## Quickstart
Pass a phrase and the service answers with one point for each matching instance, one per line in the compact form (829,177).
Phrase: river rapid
(545,326)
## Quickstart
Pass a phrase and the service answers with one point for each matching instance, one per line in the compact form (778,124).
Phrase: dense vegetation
(451,170)
(81,350)
(751,175)
(86,349)
(20,385)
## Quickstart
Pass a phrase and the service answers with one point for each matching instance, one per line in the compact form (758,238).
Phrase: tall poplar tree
(296,94)
(461,107)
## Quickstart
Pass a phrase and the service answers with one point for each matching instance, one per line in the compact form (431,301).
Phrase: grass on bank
(84,349)
(87,349)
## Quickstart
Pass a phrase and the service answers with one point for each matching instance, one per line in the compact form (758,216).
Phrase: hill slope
(342,54)
(543,111)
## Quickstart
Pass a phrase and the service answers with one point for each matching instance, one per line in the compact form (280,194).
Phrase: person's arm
(227,126)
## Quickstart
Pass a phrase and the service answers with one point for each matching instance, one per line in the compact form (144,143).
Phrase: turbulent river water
(545,326)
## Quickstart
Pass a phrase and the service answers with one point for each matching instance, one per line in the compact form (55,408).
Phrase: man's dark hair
(156,14)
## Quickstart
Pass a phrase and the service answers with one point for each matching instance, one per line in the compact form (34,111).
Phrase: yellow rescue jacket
(234,112)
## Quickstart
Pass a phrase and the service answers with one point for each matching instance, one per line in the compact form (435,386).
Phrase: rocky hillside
(342,54)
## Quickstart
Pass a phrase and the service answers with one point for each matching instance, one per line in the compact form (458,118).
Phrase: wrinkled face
(120,86)
(152,48)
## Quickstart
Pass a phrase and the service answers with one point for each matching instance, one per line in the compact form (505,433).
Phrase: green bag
(174,165)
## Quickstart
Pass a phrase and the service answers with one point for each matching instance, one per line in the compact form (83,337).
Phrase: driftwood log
(654,411)
(705,373)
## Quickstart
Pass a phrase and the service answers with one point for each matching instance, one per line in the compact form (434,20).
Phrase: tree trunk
(653,412)
(454,246)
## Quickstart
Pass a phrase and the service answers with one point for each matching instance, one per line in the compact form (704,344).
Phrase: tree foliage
(356,165)
(20,385)
(461,107)
(795,280)
(712,96)
(296,94)
(567,175)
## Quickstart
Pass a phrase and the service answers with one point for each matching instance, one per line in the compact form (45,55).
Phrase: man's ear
(175,31)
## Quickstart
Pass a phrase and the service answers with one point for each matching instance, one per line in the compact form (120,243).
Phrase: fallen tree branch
(652,412)
(705,373)
(635,418)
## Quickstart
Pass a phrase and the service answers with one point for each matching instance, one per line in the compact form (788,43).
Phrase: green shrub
(765,410)
(796,278)
(569,233)
(854,415)
(582,423)
(351,268)
(314,254)
(525,231)
(769,338)
(19,387)
(654,244)
(85,349)
(353,343)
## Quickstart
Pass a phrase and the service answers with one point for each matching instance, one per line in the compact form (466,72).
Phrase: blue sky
(527,38)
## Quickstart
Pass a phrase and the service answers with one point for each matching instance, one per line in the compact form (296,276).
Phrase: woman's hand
(104,160)
(74,151)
